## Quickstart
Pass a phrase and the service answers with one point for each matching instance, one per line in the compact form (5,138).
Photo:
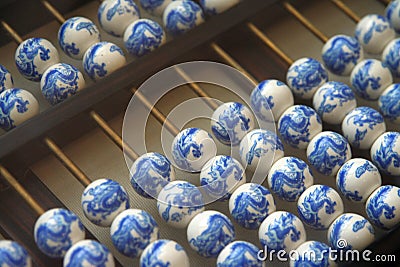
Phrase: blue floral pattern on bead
(13,254)
(10,100)
(239,253)
(89,252)
(385,155)
(377,207)
(180,20)
(389,103)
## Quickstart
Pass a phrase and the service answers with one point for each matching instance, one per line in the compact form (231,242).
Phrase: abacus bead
(102,59)
(389,103)
(319,206)
(289,177)
(362,126)
(33,56)
(350,231)
(178,202)
(374,32)
(115,15)
(150,173)
(341,53)
(209,232)
(17,105)
(214,7)
(239,254)
(132,231)
(60,82)
(333,100)
(182,16)
(76,35)
(357,179)
(13,254)
(230,122)
(56,231)
(312,253)
(392,14)
(88,253)
(192,148)
(250,204)
(220,176)
(103,200)
(298,125)
(391,57)
(155,8)
(6,80)
(383,207)
(270,99)
(385,153)
(327,152)
(305,76)
(164,253)
(282,230)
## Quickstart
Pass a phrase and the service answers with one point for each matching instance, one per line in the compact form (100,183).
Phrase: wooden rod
(56,14)
(17,38)
(347,10)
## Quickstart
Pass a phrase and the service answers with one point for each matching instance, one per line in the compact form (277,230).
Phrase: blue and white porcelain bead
(282,230)
(150,173)
(182,16)
(88,253)
(260,149)
(392,14)
(250,204)
(6,80)
(102,59)
(103,200)
(305,76)
(239,254)
(298,125)
(34,56)
(385,153)
(289,177)
(192,148)
(374,33)
(230,122)
(312,253)
(391,57)
(178,202)
(164,253)
(319,206)
(351,231)
(155,7)
(220,176)
(209,232)
(327,152)
(341,53)
(132,231)
(13,254)
(383,207)
(143,36)
(333,101)
(357,179)
(60,82)
(56,231)
(115,15)
(17,105)
(270,99)
(389,103)
(214,7)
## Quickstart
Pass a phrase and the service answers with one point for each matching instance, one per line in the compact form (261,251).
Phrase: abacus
(47,161)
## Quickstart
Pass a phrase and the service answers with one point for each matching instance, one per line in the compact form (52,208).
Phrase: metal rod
(347,10)
(57,15)
(12,32)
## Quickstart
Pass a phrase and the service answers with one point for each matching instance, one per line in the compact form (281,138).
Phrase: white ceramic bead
(56,231)
(155,8)
(102,59)
(282,230)
(182,16)
(250,204)
(351,231)
(319,206)
(374,32)
(383,207)
(33,56)
(357,179)
(6,80)
(312,253)
(333,101)
(370,78)
(392,14)
(164,253)
(389,103)
(391,57)
(88,253)
(239,254)
(214,7)
(289,177)
(231,121)
(298,125)
(178,202)
(17,105)
(385,153)
(209,232)
(13,254)
(192,148)
(115,15)
(76,35)
(103,200)
(270,99)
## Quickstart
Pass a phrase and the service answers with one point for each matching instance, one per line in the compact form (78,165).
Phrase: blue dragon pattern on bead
(9,101)
(95,254)
(187,18)
(12,254)
(389,103)
(392,59)
(377,26)
(316,256)
(377,206)
(362,79)
(151,5)
(259,102)
(241,254)
(152,256)
(3,77)
(91,67)
(386,155)
(146,35)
